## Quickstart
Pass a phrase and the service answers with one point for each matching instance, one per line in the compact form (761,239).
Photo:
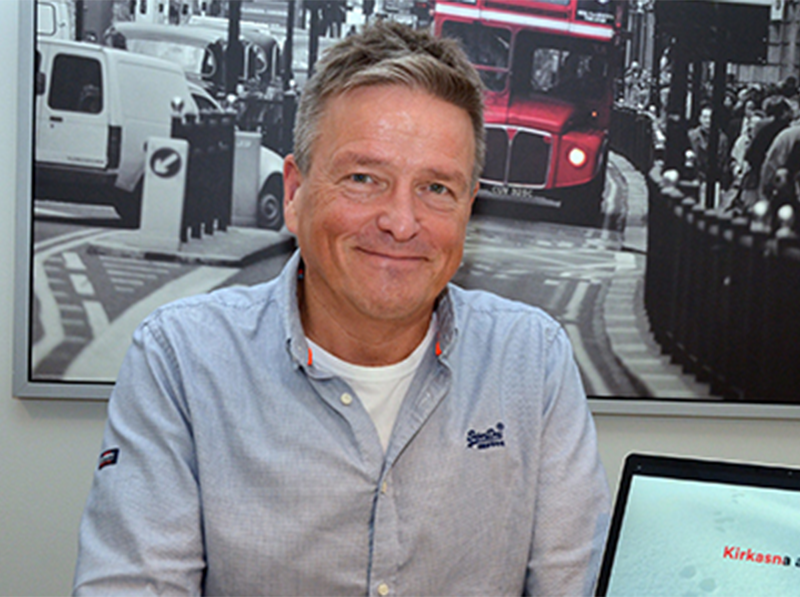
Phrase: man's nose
(399,214)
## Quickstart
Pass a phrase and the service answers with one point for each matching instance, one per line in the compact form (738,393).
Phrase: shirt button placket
(386,550)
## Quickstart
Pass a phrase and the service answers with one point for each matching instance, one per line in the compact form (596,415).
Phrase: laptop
(703,528)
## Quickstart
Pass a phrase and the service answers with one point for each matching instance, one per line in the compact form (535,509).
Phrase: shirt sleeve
(141,530)
(574,502)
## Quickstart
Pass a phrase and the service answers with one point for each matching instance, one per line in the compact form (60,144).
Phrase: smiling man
(357,425)
(380,216)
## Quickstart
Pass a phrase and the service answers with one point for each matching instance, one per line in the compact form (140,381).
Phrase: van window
(77,85)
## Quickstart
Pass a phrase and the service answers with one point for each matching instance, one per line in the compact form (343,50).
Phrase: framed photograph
(158,129)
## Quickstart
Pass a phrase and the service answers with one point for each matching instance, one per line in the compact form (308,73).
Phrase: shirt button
(346,399)
(383,589)
(384,487)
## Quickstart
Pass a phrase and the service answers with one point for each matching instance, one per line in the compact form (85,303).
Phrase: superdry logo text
(108,458)
(733,552)
(491,438)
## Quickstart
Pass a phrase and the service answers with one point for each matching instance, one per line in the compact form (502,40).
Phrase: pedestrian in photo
(778,115)
(358,425)
(699,138)
(783,153)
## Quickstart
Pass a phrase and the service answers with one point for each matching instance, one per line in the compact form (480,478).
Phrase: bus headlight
(577,157)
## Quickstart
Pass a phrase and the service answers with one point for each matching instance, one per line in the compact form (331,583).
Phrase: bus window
(544,74)
(565,68)
(486,47)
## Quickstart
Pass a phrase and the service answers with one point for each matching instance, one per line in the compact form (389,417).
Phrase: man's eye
(361,178)
(438,189)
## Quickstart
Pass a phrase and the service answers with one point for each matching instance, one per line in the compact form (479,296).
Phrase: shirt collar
(296,338)
(293,327)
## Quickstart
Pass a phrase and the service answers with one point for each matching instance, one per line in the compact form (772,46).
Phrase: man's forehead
(353,92)
(378,105)
(372,106)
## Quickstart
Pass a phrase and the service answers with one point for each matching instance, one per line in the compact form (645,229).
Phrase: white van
(95,109)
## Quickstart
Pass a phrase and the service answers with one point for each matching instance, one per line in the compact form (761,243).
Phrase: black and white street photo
(641,182)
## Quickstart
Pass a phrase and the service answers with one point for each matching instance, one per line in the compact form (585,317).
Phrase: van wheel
(129,206)
(270,204)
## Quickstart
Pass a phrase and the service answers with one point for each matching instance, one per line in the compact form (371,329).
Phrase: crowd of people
(758,154)
(758,140)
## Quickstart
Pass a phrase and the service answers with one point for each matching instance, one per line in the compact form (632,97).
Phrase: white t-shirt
(380,389)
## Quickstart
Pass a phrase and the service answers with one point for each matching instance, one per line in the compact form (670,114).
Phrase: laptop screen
(693,527)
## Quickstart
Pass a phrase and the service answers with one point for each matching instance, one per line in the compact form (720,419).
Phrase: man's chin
(395,307)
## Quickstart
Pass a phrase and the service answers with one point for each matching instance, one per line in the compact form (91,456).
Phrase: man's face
(381,214)
(705,118)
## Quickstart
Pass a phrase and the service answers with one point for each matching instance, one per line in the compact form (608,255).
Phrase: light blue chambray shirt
(233,466)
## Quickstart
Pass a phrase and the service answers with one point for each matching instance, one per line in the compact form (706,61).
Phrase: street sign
(163,193)
(166,162)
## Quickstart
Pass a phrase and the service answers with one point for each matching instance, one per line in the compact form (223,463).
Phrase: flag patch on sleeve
(108,458)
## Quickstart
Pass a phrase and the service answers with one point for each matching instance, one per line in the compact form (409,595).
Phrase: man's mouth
(390,255)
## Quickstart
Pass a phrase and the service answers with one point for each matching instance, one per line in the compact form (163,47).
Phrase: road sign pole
(163,193)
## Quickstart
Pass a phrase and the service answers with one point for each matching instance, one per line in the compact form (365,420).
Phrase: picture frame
(594,260)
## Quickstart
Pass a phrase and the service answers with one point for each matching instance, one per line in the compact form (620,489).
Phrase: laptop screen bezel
(691,469)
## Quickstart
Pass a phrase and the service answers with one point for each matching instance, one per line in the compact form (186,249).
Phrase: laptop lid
(698,527)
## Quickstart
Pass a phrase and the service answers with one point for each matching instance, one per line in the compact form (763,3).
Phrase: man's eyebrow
(448,175)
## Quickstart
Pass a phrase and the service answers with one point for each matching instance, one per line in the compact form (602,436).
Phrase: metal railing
(723,295)
(633,133)
(209,178)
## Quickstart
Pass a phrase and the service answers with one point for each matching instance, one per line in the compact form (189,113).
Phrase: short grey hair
(388,53)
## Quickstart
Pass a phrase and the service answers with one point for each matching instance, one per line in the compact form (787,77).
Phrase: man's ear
(474,195)
(292,179)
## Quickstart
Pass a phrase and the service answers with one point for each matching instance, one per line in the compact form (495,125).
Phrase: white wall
(48,449)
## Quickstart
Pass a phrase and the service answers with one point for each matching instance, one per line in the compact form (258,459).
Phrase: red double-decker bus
(549,68)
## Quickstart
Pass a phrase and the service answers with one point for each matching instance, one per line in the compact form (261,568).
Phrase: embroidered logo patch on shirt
(108,458)
(491,438)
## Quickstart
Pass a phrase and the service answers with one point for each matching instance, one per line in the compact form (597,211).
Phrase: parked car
(255,33)
(200,51)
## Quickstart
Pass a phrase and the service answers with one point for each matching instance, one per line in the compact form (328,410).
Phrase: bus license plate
(511,192)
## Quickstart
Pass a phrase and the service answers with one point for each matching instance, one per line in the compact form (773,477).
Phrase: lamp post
(234,58)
